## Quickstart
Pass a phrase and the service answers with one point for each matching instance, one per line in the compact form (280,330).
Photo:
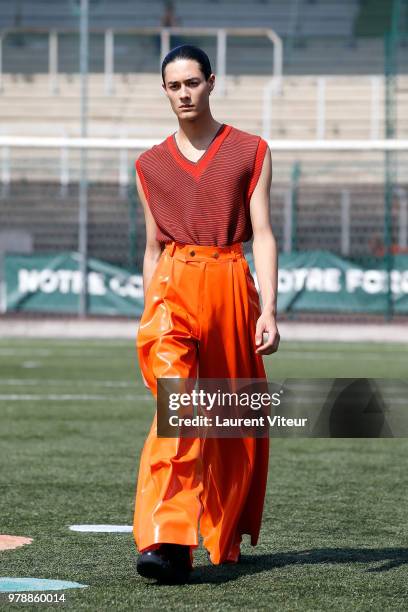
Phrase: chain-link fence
(322,200)
(344,68)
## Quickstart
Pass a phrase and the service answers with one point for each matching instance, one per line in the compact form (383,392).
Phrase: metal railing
(125,145)
(272,87)
(308,210)
(221,35)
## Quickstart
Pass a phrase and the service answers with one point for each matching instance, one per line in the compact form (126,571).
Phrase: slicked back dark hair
(188,52)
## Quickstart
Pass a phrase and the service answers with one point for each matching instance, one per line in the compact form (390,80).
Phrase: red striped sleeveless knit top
(204,202)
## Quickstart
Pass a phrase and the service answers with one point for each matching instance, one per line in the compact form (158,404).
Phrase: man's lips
(186,106)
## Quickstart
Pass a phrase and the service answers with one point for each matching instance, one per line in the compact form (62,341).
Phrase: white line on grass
(102,528)
(19,397)
(331,355)
(38,352)
(49,381)
(369,353)
(9,352)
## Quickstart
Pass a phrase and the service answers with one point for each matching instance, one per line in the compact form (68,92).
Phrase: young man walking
(205,191)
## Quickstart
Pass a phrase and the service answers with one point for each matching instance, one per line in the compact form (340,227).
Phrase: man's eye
(194,83)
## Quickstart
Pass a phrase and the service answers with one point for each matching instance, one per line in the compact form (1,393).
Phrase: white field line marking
(96,352)
(50,343)
(39,381)
(39,352)
(102,528)
(341,355)
(7,352)
(15,397)
(369,352)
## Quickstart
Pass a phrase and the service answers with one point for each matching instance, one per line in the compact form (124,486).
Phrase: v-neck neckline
(196,168)
(205,152)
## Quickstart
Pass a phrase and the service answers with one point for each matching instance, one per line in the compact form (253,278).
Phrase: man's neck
(199,132)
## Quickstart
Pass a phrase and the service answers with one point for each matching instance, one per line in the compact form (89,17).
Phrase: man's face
(185,84)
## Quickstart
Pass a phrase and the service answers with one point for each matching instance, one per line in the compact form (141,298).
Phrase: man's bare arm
(153,246)
(265,258)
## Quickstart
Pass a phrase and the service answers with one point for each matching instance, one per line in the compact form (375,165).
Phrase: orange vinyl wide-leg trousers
(199,319)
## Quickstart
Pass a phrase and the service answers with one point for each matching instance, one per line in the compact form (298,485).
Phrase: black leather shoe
(169,564)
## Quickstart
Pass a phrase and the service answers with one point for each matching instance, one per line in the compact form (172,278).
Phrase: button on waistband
(192,253)
(216,255)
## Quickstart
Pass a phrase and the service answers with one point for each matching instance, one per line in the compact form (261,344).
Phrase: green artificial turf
(74,415)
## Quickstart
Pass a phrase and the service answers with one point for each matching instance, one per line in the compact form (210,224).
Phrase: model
(205,190)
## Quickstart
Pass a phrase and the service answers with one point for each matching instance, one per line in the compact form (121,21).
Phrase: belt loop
(237,251)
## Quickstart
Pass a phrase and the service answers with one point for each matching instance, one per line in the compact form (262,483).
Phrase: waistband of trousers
(191,252)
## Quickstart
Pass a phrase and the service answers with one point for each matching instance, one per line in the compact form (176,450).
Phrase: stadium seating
(323,39)
(320,37)
(139,107)
(329,16)
(248,56)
